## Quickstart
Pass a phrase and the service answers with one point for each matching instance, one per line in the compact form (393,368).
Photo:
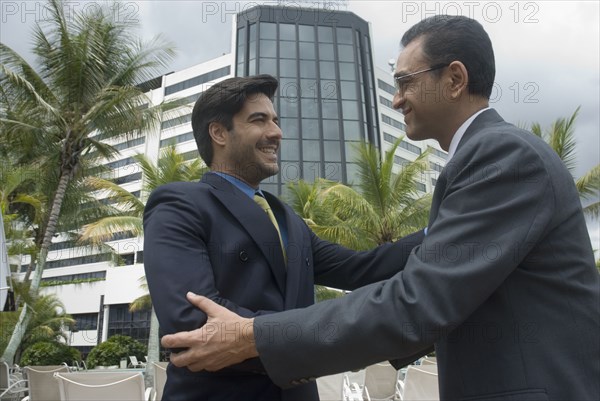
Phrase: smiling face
(249,150)
(421,98)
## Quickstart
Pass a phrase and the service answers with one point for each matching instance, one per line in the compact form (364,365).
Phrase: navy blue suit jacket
(212,239)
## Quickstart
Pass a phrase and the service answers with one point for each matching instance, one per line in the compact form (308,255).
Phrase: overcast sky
(547,52)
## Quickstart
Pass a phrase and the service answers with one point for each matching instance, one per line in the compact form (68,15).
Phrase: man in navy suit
(213,239)
(504,284)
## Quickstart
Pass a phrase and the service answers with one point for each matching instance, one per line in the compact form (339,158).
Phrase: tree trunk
(153,347)
(25,316)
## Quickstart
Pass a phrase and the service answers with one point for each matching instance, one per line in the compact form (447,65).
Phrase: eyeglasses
(403,81)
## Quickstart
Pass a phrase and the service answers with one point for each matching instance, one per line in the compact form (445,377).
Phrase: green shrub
(49,353)
(114,349)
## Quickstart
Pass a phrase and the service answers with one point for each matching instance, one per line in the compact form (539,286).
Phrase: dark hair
(449,38)
(221,102)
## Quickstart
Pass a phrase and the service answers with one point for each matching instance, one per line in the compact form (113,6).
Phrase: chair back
(160,378)
(429,361)
(4,376)
(381,381)
(421,383)
(42,386)
(135,363)
(106,386)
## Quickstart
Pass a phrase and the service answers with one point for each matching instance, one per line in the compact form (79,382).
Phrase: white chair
(429,361)
(12,385)
(381,382)
(106,386)
(42,387)
(160,378)
(135,363)
(338,387)
(421,383)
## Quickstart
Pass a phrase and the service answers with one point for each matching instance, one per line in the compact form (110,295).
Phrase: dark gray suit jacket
(504,285)
(212,239)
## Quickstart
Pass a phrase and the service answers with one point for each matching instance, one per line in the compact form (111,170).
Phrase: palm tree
(128,217)
(386,207)
(85,91)
(47,323)
(561,137)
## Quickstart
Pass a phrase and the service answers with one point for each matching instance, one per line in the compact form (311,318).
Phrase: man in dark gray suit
(503,286)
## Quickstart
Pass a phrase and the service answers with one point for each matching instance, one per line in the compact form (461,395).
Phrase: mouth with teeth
(270,151)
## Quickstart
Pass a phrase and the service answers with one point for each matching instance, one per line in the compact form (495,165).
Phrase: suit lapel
(254,220)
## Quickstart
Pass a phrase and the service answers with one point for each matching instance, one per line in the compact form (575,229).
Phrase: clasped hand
(225,339)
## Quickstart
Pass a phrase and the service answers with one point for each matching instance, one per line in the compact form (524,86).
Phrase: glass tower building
(325,101)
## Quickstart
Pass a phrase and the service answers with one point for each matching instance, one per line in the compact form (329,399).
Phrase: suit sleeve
(497,204)
(339,267)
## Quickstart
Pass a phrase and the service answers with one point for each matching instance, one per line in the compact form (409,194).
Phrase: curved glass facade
(326,97)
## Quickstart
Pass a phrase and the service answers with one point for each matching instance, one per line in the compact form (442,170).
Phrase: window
(347,71)
(310,128)
(345,53)
(133,324)
(386,87)
(401,160)
(307,51)
(127,178)
(268,48)
(289,126)
(410,147)
(287,32)
(267,66)
(344,35)
(327,69)
(348,89)
(287,49)
(435,166)
(290,149)
(79,276)
(332,152)
(120,163)
(325,34)
(420,186)
(85,321)
(287,68)
(311,151)
(385,102)
(331,129)
(394,123)
(176,121)
(438,153)
(389,138)
(268,30)
(326,51)
(352,130)
(200,79)
(103,257)
(188,136)
(350,109)
(306,33)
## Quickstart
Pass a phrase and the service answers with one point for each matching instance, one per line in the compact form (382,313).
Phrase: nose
(398,100)
(274,131)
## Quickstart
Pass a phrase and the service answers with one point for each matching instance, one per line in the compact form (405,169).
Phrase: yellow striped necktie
(262,202)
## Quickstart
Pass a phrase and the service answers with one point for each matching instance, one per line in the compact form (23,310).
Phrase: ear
(459,79)
(218,133)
